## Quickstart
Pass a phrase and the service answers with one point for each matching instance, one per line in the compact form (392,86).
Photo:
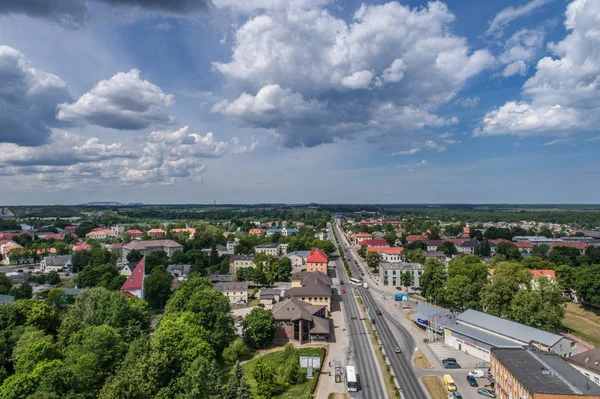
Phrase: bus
(351,382)
(356,281)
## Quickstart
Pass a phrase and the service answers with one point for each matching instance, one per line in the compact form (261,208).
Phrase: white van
(477,373)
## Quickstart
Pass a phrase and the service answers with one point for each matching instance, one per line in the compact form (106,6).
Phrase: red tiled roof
(387,250)
(538,273)
(316,256)
(81,246)
(417,237)
(361,235)
(499,240)
(256,231)
(54,236)
(116,246)
(578,245)
(136,280)
(525,244)
(156,231)
(370,243)
(134,232)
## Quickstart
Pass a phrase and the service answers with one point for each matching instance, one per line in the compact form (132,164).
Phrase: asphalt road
(401,364)
(360,352)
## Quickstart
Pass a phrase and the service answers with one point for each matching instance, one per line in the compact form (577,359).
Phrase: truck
(365,285)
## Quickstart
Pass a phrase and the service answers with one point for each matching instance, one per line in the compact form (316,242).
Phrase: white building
(390,273)
(298,258)
(56,263)
(235,291)
(588,363)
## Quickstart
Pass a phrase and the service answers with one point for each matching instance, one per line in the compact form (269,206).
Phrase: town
(296,302)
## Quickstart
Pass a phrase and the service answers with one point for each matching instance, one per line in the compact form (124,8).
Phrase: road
(401,364)
(360,351)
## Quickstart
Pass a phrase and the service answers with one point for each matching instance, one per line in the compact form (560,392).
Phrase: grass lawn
(583,322)
(435,387)
(294,391)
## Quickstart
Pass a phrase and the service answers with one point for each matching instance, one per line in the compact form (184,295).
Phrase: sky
(297,101)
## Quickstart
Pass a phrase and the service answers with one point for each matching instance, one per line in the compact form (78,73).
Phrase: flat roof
(482,336)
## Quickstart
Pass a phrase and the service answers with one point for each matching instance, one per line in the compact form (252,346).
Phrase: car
(449,359)
(362,274)
(343,291)
(261,305)
(472,381)
(451,365)
(239,324)
(31,267)
(397,349)
(486,392)
(341,282)
(399,288)
(20,271)
(377,312)
(457,395)
(240,318)
(477,373)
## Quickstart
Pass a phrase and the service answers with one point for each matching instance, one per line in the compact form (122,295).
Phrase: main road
(401,363)
(360,351)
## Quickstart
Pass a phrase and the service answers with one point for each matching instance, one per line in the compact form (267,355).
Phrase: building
(358,238)
(237,262)
(580,246)
(374,243)
(220,278)
(82,246)
(235,291)
(529,373)
(311,287)
(477,332)
(298,258)
(388,254)
(56,263)
(273,249)
(432,245)
(128,268)
(390,273)
(70,229)
(416,237)
(301,321)
(135,234)
(155,233)
(289,232)
(536,240)
(147,247)
(269,296)
(256,231)
(179,271)
(432,318)
(467,247)
(438,255)
(189,230)
(100,234)
(587,363)
(316,261)
(5,248)
(535,274)
(524,246)
(134,285)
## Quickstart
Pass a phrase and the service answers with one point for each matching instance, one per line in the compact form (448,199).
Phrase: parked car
(449,359)
(477,373)
(457,395)
(399,288)
(240,318)
(239,324)
(448,364)
(472,381)
(397,349)
(486,392)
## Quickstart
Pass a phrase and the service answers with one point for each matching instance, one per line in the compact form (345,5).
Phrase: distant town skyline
(300,101)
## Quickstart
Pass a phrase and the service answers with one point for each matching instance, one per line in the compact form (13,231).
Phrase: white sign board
(314,362)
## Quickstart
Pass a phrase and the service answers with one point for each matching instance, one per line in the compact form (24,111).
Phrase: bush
(237,350)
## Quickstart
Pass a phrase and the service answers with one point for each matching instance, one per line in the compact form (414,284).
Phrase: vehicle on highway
(486,392)
(397,349)
(341,282)
(355,281)
(343,291)
(351,381)
(472,381)
(31,267)
(377,312)
(449,382)
(477,373)
(365,285)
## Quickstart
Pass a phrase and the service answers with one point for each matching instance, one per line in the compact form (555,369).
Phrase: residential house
(531,373)
(374,243)
(5,247)
(56,263)
(135,234)
(149,246)
(256,231)
(316,261)
(358,238)
(388,254)
(70,229)
(273,249)
(220,278)
(535,274)
(301,321)
(467,247)
(438,255)
(134,285)
(82,246)
(155,233)
(587,363)
(272,231)
(311,287)
(523,246)
(269,296)
(116,248)
(52,236)
(6,299)
(289,232)
(416,237)
(238,262)
(298,258)
(390,273)
(179,271)
(100,234)
(432,245)
(189,230)
(128,268)
(235,291)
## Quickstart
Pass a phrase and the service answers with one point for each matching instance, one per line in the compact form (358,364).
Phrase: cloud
(28,98)
(73,14)
(428,145)
(468,102)
(509,14)
(563,96)
(520,49)
(404,57)
(124,102)
(558,141)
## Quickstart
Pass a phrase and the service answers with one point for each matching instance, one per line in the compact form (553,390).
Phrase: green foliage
(237,387)
(407,279)
(415,255)
(5,284)
(587,283)
(566,275)
(542,307)
(156,259)
(496,296)
(537,263)
(134,256)
(540,251)
(259,328)
(179,258)
(373,260)
(326,245)
(157,288)
(38,314)
(509,251)
(56,299)
(266,379)
(237,350)
(24,291)
(35,353)
(362,251)
(98,276)
(433,279)
(53,278)
(564,256)
(492,233)
(447,248)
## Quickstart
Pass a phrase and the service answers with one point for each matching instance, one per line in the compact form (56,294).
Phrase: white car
(477,373)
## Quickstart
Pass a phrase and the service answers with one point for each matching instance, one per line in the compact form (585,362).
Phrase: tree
(246,274)
(486,249)
(509,250)
(492,233)
(587,283)
(237,387)
(5,284)
(540,250)
(458,293)
(259,328)
(200,380)
(157,288)
(496,296)
(448,248)
(56,299)
(80,259)
(434,233)
(214,258)
(24,291)
(433,279)
(564,256)
(541,308)
(53,277)
(282,270)
(373,260)
(326,245)
(179,258)
(97,276)
(546,232)
(407,279)
(237,350)
(266,380)
(537,263)
(390,237)
(134,256)
(417,245)
(362,251)
(415,256)
(156,259)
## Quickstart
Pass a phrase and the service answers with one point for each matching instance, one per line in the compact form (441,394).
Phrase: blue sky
(296,101)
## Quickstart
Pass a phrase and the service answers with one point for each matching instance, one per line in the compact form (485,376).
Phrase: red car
(240,318)
(343,291)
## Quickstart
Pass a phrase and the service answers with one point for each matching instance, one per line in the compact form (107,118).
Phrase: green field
(583,322)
